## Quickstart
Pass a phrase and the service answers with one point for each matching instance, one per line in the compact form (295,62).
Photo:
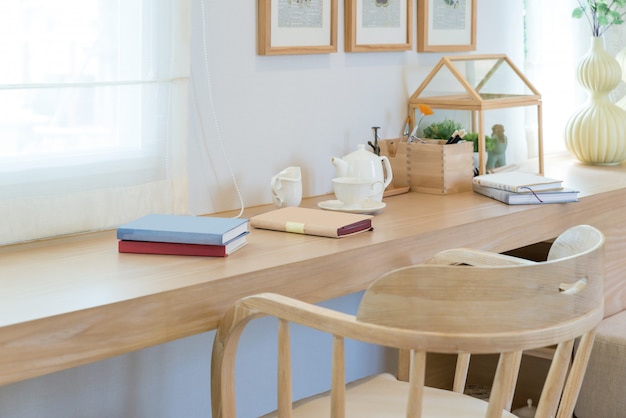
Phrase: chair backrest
(445,309)
(573,241)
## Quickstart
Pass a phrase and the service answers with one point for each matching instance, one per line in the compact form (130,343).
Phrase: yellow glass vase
(596,133)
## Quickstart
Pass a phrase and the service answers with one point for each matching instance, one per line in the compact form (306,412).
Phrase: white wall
(277,111)
(273,112)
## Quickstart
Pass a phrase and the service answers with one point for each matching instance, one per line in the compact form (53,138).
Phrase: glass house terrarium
(486,95)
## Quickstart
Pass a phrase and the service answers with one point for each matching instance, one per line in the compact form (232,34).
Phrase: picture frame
(446,25)
(378,25)
(296,27)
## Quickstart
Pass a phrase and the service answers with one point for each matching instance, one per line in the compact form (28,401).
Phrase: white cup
(354,191)
(287,187)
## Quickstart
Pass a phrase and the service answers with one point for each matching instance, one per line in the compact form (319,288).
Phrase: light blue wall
(273,112)
(173,380)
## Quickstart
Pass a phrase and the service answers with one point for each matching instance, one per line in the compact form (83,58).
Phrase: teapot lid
(360,154)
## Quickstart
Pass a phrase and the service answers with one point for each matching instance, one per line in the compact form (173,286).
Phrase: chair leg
(284,370)
(460,374)
(404,364)
(416,385)
(338,386)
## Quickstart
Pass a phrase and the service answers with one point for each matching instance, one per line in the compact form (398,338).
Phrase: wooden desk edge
(55,343)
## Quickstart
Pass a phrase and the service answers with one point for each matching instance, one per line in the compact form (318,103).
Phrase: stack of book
(521,188)
(183,235)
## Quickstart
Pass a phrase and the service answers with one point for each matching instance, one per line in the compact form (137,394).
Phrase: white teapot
(365,164)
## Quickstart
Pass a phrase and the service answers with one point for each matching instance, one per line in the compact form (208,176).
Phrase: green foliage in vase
(442,130)
(601,14)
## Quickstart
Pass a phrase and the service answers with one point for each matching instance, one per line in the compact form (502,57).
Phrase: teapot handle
(388,171)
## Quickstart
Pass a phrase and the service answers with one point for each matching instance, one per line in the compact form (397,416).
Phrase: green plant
(490,143)
(601,14)
(442,130)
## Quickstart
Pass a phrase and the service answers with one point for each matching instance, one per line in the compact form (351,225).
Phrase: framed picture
(446,25)
(378,25)
(297,27)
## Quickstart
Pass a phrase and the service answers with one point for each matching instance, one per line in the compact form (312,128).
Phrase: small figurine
(497,156)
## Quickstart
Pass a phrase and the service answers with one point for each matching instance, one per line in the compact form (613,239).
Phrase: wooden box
(431,167)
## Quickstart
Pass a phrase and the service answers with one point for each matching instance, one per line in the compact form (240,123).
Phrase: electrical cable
(218,131)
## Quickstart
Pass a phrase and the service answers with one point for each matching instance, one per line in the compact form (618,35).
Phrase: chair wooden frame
(447,309)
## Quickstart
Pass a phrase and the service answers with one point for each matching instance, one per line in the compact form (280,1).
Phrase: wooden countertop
(74,300)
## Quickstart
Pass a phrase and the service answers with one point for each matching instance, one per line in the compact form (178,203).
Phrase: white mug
(287,187)
(354,191)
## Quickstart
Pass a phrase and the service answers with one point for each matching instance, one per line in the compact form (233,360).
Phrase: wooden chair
(503,309)
(573,241)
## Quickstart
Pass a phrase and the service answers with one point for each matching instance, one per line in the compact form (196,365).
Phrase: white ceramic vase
(621,60)
(595,134)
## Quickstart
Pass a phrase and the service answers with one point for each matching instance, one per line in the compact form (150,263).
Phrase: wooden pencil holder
(432,167)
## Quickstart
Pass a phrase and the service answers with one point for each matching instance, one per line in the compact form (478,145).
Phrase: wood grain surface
(74,300)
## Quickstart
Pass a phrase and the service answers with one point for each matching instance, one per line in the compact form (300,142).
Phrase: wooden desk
(70,301)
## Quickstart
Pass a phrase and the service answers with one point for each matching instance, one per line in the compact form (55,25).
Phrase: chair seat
(385,396)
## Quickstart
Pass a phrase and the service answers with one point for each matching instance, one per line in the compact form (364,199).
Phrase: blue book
(184,229)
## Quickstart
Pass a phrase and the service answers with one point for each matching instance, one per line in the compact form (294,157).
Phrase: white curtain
(93,113)
(555,43)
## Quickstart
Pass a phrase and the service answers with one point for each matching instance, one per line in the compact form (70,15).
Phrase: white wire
(214,113)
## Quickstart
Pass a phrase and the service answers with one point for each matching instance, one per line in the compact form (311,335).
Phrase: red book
(175,248)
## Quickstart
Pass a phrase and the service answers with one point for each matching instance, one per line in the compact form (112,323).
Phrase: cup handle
(276,185)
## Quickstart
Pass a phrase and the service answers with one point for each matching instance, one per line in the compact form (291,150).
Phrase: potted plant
(442,130)
(473,137)
(426,164)
(445,129)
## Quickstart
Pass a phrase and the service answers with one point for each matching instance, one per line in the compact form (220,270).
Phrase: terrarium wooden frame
(477,102)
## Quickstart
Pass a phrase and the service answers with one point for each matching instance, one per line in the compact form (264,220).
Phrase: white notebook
(518,182)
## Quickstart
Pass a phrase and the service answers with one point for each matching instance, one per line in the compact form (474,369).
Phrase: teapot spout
(341,166)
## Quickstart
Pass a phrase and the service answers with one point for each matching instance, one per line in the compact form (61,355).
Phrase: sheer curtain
(555,44)
(93,113)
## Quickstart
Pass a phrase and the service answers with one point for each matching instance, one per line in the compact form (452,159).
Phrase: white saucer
(369,206)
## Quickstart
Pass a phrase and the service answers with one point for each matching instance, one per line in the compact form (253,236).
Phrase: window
(93,113)
(554,44)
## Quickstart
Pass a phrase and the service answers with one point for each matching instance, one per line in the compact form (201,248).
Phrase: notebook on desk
(313,222)
(518,182)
